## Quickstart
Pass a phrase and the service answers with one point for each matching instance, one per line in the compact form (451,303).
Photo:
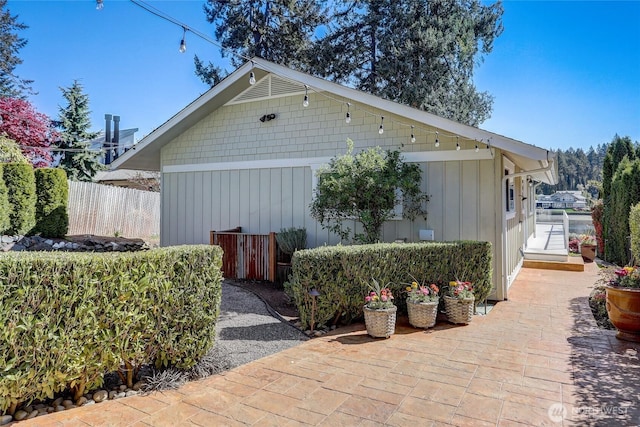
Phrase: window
(510,189)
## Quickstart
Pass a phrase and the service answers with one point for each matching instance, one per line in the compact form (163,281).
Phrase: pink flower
(367,299)
(383,298)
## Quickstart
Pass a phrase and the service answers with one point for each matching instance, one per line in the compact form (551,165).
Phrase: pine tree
(77,160)
(11,86)
(280,31)
(417,52)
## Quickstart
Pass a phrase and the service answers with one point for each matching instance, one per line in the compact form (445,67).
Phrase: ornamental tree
(367,187)
(30,129)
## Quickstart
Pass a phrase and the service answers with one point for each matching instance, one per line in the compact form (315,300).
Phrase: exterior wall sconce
(267,117)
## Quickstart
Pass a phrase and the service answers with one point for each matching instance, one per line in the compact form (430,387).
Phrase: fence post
(272,256)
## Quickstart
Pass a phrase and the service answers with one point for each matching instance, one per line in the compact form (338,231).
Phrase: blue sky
(563,73)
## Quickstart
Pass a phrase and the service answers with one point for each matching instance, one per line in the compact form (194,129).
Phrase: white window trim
(509,168)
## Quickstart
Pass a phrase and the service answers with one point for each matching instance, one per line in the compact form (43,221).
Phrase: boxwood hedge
(342,273)
(69,318)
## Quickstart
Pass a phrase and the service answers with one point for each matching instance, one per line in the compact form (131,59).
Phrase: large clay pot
(623,307)
(588,252)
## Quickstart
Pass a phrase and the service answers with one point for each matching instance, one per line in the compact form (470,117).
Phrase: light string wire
(351,106)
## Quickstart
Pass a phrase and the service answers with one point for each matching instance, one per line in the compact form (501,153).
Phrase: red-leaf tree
(32,130)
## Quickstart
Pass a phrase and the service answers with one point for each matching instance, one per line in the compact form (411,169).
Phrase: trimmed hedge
(634,226)
(21,188)
(625,192)
(342,273)
(52,190)
(4,205)
(69,318)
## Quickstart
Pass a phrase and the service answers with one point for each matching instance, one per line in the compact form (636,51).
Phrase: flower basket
(422,314)
(381,323)
(459,311)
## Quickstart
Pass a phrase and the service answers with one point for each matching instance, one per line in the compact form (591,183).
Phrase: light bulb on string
(347,117)
(381,128)
(183,42)
(99,4)
(413,136)
(457,144)
(305,101)
(252,78)
(437,144)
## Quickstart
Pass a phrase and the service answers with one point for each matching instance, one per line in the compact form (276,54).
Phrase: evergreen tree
(417,52)
(280,31)
(77,160)
(11,86)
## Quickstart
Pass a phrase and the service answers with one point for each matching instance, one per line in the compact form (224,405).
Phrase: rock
(137,386)
(120,395)
(67,403)
(60,408)
(90,402)
(50,409)
(49,242)
(122,388)
(57,402)
(42,411)
(20,415)
(333,327)
(58,245)
(7,239)
(28,408)
(40,406)
(318,333)
(131,393)
(100,395)
(81,401)
(112,394)
(32,414)
(5,419)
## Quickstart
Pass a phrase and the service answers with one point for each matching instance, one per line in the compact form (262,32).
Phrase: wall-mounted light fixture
(267,117)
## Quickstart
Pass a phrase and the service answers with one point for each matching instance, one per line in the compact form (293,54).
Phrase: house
(562,200)
(245,155)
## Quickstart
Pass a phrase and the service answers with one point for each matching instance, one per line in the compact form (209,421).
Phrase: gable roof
(146,154)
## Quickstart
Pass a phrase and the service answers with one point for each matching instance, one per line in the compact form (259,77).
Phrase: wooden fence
(247,256)
(105,210)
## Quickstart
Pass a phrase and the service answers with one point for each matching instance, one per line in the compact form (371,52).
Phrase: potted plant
(623,302)
(289,240)
(379,311)
(588,247)
(459,302)
(422,304)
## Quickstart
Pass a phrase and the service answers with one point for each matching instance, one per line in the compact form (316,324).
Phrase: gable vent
(268,87)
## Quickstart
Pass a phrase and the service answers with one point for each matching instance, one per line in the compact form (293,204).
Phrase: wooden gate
(247,256)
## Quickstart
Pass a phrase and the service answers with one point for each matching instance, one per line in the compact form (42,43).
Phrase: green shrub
(69,318)
(52,191)
(4,205)
(634,226)
(21,188)
(341,273)
(625,192)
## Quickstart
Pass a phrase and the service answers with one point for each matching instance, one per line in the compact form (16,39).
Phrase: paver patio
(537,359)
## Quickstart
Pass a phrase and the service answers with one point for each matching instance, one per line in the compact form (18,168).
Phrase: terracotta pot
(623,307)
(588,252)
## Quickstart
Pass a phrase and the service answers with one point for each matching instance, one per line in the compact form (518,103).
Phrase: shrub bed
(342,273)
(69,318)
(52,190)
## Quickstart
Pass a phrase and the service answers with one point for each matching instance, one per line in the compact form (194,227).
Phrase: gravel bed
(247,330)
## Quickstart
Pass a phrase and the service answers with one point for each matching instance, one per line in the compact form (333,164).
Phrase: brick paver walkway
(537,359)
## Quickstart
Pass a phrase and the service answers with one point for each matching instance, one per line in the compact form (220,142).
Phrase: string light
(183,42)
(252,79)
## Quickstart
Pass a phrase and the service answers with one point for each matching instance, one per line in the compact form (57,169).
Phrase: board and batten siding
(199,196)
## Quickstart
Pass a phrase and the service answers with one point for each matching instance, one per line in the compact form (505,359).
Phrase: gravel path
(246,329)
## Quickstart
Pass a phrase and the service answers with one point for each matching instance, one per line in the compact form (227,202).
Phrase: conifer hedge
(625,192)
(52,218)
(21,189)
(4,205)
